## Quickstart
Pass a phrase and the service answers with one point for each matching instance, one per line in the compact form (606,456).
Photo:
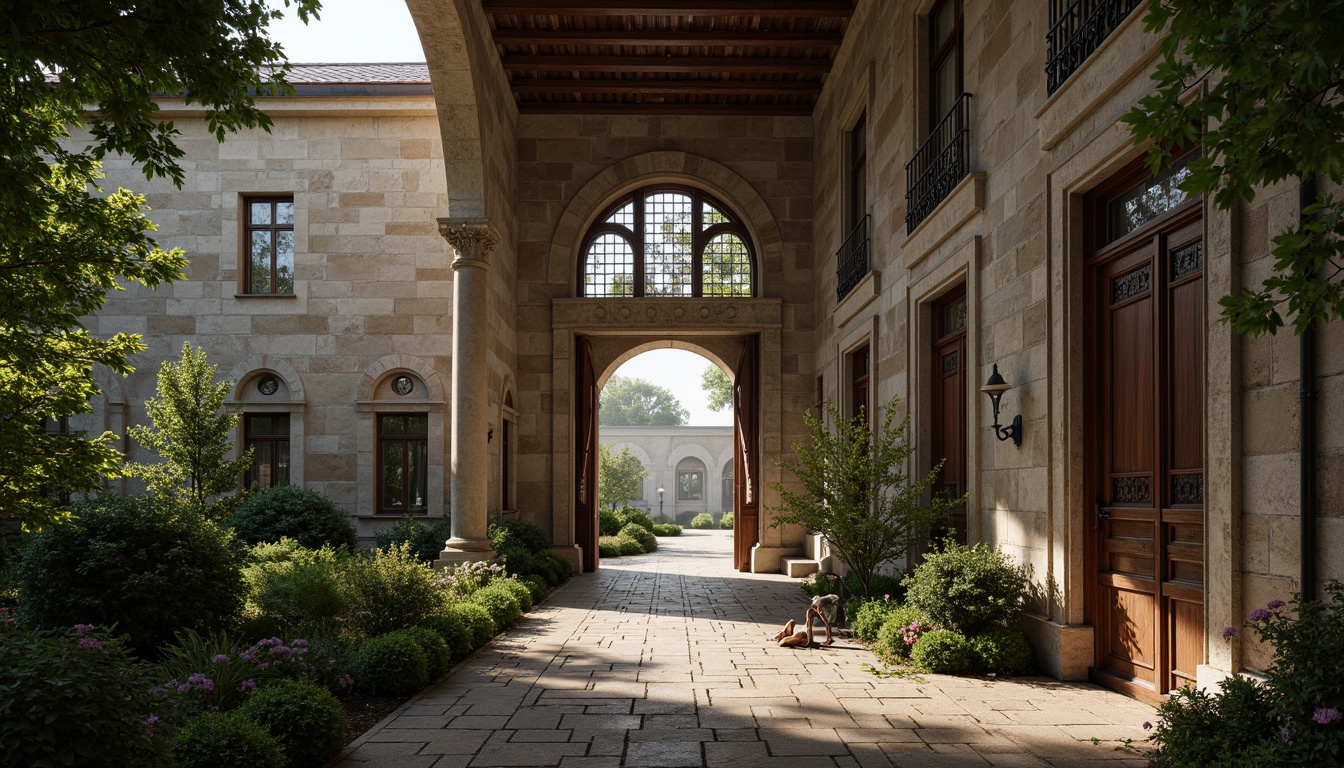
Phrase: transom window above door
(667,241)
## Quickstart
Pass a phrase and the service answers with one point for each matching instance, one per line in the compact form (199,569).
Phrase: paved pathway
(663,660)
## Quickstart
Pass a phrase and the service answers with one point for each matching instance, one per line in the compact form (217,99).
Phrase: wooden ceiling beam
(733,38)
(687,87)
(580,108)
(770,8)
(666,64)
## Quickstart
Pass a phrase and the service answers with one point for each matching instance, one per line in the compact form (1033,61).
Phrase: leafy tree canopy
(618,476)
(717,386)
(96,64)
(628,402)
(1261,83)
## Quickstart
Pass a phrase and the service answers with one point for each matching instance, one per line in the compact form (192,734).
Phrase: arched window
(690,479)
(667,241)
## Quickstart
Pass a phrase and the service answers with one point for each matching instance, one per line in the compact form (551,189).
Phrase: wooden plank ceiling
(669,57)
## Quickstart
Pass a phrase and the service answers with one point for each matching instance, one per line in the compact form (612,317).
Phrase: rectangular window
(267,434)
(403,463)
(858,383)
(858,173)
(944,60)
(691,485)
(268,237)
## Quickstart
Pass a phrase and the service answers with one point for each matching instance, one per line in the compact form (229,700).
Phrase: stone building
(831,200)
(690,469)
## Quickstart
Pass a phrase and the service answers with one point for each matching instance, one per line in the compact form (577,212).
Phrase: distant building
(692,465)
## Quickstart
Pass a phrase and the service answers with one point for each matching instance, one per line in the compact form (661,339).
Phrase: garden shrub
(290,585)
(438,656)
(73,697)
(500,602)
(1001,650)
(330,658)
(391,590)
(225,740)
(608,523)
(454,633)
(464,578)
(560,569)
(644,536)
(149,566)
(702,520)
(968,588)
(901,630)
(214,668)
(609,546)
(726,521)
(537,586)
(426,541)
(391,665)
(1292,718)
(666,529)
(629,546)
(306,516)
(883,586)
(306,720)
(506,533)
(868,616)
(628,515)
(520,591)
(945,651)
(476,620)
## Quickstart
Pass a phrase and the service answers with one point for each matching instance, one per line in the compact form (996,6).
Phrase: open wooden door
(586,394)
(746,458)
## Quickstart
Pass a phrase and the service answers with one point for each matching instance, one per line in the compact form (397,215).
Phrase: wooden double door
(1146,329)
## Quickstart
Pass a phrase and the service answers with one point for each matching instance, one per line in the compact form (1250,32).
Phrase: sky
(373,31)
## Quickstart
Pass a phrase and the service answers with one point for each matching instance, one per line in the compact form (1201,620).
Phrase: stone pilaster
(472,241)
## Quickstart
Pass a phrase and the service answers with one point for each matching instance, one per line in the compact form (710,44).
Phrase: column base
(1063,651)
(572,553)
(457,551)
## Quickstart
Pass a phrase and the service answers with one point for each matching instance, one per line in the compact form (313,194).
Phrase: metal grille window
(403,462)
(1077,28)
(668,241)
(268,437)
(851,260)
(269,239)
(940,163)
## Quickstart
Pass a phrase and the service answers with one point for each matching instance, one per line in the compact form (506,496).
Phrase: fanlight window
(667,241)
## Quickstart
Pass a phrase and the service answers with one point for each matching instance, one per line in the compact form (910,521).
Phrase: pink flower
(91,643)
(1326,715)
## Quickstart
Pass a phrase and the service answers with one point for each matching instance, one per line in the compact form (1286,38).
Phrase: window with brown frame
(690,480)
(858,174)
(403,463)
(267,434)
(268,237)
(945,61)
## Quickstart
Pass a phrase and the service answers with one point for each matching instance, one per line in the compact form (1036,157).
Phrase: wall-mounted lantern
(995,388)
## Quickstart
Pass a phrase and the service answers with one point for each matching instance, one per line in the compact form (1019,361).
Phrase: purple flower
(1228,632)
(1287,734)
(248,656)
(200,682)
(1260,614)
(82,628)
(346,681)
(219,658)
(149,725)
(1276,603)
(1326,715)
(886,597)
(91,643)
(248,685)
(1147,726)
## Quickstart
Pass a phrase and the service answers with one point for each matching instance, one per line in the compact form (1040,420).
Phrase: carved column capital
(472,239)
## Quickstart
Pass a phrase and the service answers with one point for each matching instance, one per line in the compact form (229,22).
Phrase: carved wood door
(949,403)
(586,395)
(1147,455)
(746,457)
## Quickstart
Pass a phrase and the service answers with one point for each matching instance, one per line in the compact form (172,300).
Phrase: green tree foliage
(630,402)
(1266,107)
(618,476)
(64,244)
(851,488)
(190,433)
(717,386)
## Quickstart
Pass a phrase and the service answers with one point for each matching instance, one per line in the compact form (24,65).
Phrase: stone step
(798,567)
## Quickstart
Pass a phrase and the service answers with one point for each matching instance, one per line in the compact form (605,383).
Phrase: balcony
(939,164)
(851,261)
(1077,28)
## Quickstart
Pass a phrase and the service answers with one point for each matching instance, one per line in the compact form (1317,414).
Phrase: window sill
(861,295)
(398,515)
(265,295)
(962,204)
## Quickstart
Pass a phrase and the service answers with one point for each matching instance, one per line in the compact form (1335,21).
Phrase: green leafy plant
(726,521)
(944,651)
(392,664)
(520,591)
(438,656)
(632,402)
(901,631)
(537,586)
(293,586)
(212,669)
(866,617)
(477,621)
(702,521)
(391,590)
(629,546)
(1001,650)
(190,433)
(632,516)
(850,488)
(666,529)
(74,697)
(307,721)
(465,578)
(146,565)
(225,740)
(500,602)
(288,511)
(426,541)
(968,588)
(608,523)
(454,633)
(618,476)
(647,541)
(608,546)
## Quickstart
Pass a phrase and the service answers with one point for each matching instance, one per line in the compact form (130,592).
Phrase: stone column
(472,241)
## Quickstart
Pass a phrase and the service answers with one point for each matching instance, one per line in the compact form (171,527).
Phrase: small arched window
(667,241)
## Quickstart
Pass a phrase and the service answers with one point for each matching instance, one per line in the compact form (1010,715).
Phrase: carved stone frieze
(472,239)
(642,315)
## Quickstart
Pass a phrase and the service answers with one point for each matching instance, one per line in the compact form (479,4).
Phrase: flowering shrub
(214,674)
(306,720)
(1293,718)
(464,578)
(225,740)
(901,629)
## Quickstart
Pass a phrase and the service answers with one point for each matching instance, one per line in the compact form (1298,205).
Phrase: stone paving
(664,660)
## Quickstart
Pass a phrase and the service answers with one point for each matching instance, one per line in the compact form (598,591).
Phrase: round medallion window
(403,385)
(268,385)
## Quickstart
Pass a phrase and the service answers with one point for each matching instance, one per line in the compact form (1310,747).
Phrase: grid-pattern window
(267,434)
(667,241)
(403,462)
(269,239)
(690,480)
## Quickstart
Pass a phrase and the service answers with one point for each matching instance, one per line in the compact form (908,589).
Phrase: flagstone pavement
(664,660)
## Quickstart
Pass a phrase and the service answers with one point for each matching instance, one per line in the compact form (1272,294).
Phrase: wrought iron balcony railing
(939,164)
(1077,28)
(851,261)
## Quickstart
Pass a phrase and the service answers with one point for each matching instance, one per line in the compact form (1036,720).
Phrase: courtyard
(665,660)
